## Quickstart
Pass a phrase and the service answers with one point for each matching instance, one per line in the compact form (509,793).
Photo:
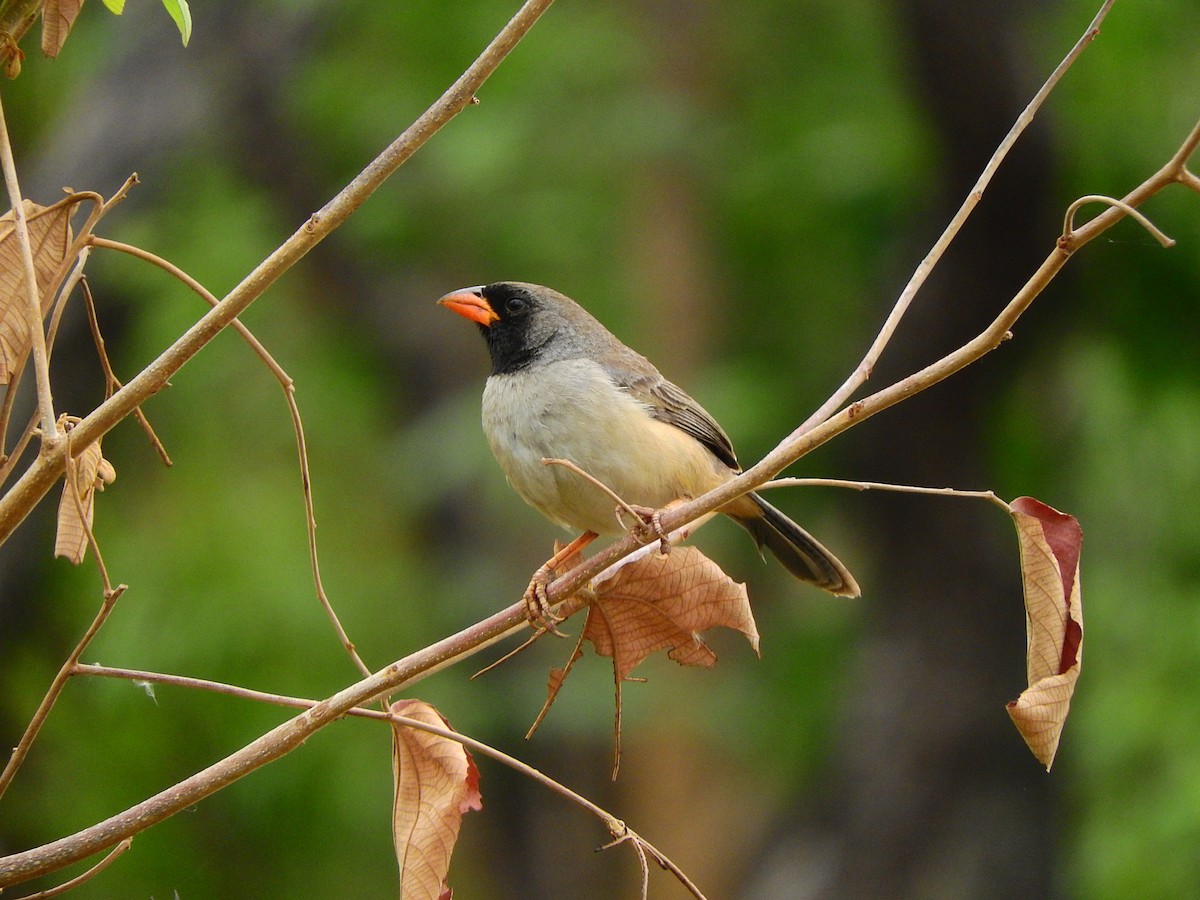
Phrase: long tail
(797,550)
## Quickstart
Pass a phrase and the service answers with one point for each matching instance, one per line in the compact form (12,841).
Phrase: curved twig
(109,859)
(60,680)
(1069,218)
(289,394)
(620,831)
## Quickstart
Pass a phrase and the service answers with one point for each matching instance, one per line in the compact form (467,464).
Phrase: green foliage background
(737,194)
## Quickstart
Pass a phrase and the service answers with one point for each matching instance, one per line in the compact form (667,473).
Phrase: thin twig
(619,830)
(33,307)
(11,460)
(864,369)
(516,651)
(1069,218)
(112,383)
(39,717)
(216,687)
(289,394)
(75,882)
(882,486)
(72,278)
(596,482)
(41,475)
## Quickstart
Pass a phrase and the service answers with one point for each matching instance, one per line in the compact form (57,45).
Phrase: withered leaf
(652,601)
(435,783)
(57,18)
(77,505)
(661,602)
(49,236)
(1050,543)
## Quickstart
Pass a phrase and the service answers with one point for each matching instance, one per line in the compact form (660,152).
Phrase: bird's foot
(649,527)
(537,602)
(537,598)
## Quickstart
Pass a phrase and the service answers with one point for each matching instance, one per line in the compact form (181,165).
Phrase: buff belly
(571,410)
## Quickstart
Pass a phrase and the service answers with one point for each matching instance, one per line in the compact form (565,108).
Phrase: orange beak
(470,304)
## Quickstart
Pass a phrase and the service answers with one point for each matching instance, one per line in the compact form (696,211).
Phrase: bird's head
(525,322)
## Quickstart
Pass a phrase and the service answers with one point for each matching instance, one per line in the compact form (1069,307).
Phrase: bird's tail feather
(797,550)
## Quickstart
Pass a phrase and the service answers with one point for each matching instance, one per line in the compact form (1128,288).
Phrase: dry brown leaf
(662,602)
(1050,544)
(655,602)
(436,782)
(57,18)
(49,237)
(78,502)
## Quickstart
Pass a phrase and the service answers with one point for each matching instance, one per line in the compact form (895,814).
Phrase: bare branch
(56,686)
(915,283)
(619,830)
(883,486)
(91,873)
(42,474)
(289,393)
(33,310)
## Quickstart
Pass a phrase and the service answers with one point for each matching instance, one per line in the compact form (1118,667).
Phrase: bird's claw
(537,602)
(649,527)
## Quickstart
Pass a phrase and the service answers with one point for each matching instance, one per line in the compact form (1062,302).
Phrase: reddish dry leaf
(49,237)
(655,602)
(78,503)
(661,602)
(57,18)
(436,782)
(1050,544)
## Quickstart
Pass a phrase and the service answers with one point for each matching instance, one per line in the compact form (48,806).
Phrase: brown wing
(669,403)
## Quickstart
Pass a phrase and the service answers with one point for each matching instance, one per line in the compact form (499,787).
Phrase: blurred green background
(739,192)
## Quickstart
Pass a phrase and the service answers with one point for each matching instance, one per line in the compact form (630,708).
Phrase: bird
(563,387)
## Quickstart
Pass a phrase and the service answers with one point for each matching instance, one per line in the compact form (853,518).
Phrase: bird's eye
(514,304)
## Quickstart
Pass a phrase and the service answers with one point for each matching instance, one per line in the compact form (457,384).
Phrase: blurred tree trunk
(931,792)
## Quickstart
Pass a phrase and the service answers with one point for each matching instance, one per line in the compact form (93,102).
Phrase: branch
(990,496)
(37,480)
(86,876)
(616,827)
(48,467)
(291,734)
(56,686)
(864,369)
(33,308)
(289,394)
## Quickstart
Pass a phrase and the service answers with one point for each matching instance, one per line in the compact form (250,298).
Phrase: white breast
(571,410)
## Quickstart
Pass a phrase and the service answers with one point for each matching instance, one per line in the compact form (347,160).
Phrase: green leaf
(179,11)
(116,7)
